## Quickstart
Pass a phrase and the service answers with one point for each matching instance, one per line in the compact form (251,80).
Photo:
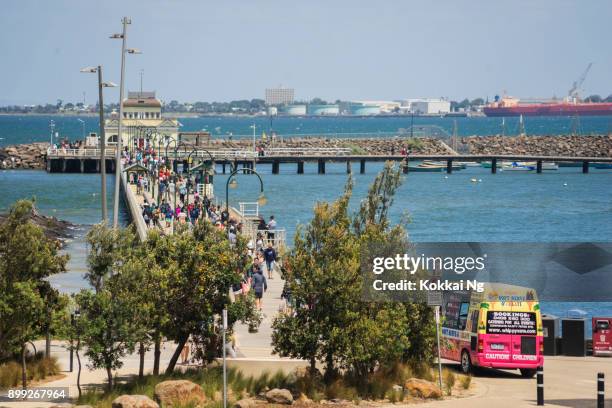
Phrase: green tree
(27,257)
(335,322)
(204,268)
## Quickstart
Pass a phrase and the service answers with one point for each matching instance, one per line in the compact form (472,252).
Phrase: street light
(261,200)
(125,21)
(101,86)
(82,127)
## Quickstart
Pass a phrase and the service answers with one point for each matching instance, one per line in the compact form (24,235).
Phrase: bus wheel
(466,362)
(527,372)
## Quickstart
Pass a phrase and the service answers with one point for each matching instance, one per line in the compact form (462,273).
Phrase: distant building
(143,124)
(425,106)
(279,96)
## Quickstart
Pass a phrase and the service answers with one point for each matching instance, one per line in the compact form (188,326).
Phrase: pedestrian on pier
(271,226)
(259,285)
(270,258)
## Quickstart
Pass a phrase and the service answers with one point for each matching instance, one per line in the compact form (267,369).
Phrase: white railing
(249,210)
(310,151)
(83,152)
(205,190)
(216,154)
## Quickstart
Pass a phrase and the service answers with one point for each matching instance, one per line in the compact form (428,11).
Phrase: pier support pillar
(404,165)
(321,166)
(82,165)
(449,166)
(493,165)
(539,166)
(349,170)
(64,163)
(223,167)
(275,166)
(585,167)
(98,166)
(300,167)
(362,163)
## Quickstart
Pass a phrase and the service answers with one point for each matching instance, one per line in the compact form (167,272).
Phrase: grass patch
(449,379)
(38,367)
(466,381)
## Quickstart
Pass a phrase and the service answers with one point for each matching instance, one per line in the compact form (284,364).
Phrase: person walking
(259,285)
(270,258)
(271,227)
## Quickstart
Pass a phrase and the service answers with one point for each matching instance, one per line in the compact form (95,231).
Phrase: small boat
(545,165)
(602,166)
(488,164)
(516,166)
(421,168)
(468,164)
(455,166)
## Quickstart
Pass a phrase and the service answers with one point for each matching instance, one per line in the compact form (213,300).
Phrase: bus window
(474,327)
(451,314)
(463,315)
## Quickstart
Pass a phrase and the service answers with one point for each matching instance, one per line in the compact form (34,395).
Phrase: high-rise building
(279,96)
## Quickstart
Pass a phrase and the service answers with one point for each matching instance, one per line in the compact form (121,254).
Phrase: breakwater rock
(577,146)
(54,229)
(23,156)
(369,146)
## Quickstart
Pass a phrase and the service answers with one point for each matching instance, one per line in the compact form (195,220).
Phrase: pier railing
(310,151)
(249,210)
(79,153)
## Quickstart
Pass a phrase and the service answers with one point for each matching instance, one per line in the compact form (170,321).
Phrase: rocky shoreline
(54,229)
(23,156)
(32,155)
(577,146)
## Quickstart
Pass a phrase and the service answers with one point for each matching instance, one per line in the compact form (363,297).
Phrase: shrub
(449,381)
(466,381)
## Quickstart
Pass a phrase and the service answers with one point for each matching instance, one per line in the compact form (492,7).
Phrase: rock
(422,388)
(279,396)
(134,401)
(304,399)
(245,403)
(179,393)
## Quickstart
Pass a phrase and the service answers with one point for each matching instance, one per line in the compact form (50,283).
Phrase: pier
(88,160)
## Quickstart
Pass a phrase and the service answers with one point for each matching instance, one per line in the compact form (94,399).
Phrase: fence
(82,153)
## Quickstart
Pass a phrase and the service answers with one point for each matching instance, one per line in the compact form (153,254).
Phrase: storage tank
(364,110)
(323,110)
(294,110)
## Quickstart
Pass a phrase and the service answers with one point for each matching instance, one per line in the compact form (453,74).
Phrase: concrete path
(259,345)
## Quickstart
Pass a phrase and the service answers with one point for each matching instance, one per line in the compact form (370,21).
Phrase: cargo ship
(509,106)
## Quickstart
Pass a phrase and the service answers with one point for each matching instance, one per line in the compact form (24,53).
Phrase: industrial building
(279,96)
(426,106)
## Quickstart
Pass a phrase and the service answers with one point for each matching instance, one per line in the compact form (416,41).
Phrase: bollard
(540,385)
(600,390)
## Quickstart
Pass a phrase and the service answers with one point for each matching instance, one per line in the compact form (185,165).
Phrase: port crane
(574,92)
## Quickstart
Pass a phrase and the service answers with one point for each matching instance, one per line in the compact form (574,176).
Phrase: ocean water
(555,206)
(26,129)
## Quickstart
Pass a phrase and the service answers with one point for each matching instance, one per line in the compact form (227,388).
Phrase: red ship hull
(552,109)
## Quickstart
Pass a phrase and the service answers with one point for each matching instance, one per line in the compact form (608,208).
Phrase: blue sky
(224,50)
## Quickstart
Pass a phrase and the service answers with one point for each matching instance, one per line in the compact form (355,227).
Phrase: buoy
(473,180)
(564,184)
(445,177)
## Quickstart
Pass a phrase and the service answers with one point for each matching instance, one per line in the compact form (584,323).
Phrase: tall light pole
(101,86)
(254,136)
(52,127)
(82,122)
(125,21)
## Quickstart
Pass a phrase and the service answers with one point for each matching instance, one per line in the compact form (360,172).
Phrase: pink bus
(500,327)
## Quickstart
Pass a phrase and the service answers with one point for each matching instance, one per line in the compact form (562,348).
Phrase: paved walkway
(259,345)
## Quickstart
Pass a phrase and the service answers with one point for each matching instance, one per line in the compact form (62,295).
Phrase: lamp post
(101,86)
(82,122)
(125,21)
(261,200)
(254,127)
(52,127)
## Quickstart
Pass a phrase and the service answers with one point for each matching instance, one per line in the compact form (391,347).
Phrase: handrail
(83,152)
